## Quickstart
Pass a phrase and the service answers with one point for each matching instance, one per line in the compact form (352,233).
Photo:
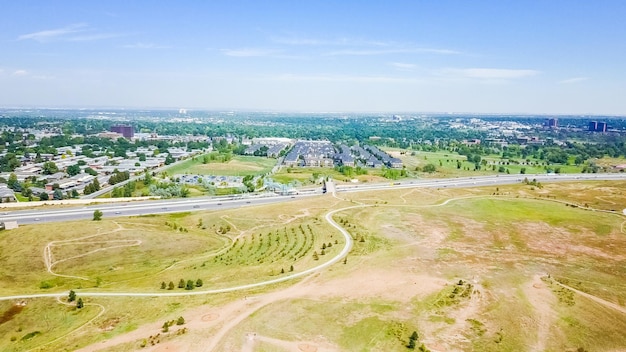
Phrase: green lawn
(238,166)
(447,166)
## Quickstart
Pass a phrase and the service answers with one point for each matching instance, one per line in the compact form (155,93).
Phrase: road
(479,181)
(24,217)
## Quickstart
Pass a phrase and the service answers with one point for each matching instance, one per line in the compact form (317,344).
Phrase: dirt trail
(207,318)
(595,298)
(102,311)
(50,262)
(542,301)
(248,306)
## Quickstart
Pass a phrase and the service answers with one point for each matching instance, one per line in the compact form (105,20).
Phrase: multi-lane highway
(215,203)
(137,208)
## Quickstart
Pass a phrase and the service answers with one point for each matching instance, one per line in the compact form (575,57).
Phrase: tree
(163,285)
(49,168)
(180,321)
(189,285)
(169,159)
(97,215)
(170,286)
(57,195)
(430,168)
(166,327)
(71,297)
(73,170)
(181,283)
(79,303)
(412,340)
(147,178)
(43,196)
(27,192)
(199,283)
(91,171)
(13,183)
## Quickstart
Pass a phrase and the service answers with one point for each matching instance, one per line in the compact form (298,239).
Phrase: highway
(137,208)
(34,216)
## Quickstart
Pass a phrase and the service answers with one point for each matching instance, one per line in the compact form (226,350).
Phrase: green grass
(137,254)
(239,166)
(446,164)
(350,325)
(496,243)
(39,322)
(304,175)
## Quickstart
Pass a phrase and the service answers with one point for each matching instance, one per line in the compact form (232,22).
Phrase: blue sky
(555,57)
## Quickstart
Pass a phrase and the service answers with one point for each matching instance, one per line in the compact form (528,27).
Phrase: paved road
(24,217)
(214,203)
(479,181)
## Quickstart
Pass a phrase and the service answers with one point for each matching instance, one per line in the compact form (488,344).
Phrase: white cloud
(247,52)
(52,34)
(94,36)
(403,66)
(20,73)
(73,33)
(488,73)
(573,80)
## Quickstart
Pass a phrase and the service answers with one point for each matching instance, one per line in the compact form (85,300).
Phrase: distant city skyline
(531,57)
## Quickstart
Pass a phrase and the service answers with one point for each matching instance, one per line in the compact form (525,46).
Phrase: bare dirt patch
(305,347)
(542,299)
(210,317)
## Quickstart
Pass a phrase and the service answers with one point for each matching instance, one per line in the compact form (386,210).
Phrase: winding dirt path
(50,262)
(542,300)
(595,298)
(59,300)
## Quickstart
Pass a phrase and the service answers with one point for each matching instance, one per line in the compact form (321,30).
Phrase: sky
(501,56)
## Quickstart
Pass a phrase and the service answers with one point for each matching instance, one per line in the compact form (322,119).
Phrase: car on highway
(196,206)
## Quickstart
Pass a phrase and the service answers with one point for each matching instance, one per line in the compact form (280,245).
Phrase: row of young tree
(187,285)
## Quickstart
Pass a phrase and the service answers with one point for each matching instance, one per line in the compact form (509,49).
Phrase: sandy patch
(210,317)
(396,285)
(168,347)
(542,299)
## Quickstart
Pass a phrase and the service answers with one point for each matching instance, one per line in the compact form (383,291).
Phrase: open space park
(239,165)
(512,268)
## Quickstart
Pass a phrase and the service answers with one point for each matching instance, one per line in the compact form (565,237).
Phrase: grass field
(304,175)
(239,166)
(446,164)
(466,269)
